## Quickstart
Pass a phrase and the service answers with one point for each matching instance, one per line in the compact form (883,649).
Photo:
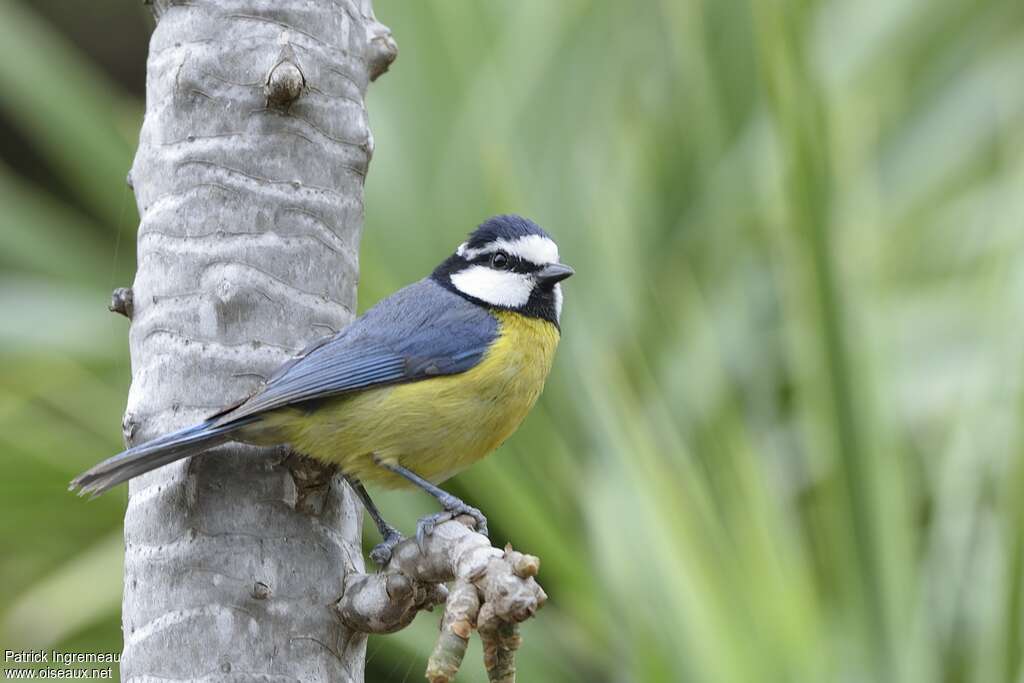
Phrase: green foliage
(782,439)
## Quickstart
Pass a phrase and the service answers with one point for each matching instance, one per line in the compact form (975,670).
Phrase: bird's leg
(453,506)
(381,552)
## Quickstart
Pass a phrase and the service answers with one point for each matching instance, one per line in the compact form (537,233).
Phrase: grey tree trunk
(249,181)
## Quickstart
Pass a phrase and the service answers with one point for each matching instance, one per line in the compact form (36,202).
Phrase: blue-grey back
(420,331)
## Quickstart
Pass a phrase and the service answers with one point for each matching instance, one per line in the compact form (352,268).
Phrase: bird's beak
(555,272)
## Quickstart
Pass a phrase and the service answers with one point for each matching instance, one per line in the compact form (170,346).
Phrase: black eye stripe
(524,266)
(517,264)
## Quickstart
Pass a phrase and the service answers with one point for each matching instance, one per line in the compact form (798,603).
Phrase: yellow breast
(435,427)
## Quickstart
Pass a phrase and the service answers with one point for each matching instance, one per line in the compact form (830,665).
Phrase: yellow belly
(435,427)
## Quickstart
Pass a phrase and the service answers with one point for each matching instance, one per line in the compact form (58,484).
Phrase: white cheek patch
(496,287)
(558,302)
(533,248)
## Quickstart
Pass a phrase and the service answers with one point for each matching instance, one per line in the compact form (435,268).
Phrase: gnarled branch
(492,590)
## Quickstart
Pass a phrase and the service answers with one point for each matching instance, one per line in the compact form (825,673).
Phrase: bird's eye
(500,260)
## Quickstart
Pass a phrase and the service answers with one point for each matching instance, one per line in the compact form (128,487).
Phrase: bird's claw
(452,509)
(381,553)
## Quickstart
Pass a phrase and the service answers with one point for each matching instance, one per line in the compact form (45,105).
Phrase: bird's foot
(381,553)
(453,507)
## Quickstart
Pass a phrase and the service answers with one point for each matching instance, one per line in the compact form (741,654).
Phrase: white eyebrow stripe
(536,249)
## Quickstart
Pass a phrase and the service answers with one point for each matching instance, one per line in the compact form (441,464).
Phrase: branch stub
(122,300)
(285,81)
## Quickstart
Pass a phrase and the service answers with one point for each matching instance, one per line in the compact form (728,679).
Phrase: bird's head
(508,262)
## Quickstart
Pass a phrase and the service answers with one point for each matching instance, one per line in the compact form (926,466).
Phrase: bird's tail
(153,454)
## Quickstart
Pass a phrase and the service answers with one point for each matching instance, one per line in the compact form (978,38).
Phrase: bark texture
(249,179)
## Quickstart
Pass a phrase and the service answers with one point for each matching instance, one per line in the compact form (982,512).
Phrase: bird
(425,383)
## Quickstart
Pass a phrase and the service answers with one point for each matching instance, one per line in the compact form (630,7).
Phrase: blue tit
(424,384)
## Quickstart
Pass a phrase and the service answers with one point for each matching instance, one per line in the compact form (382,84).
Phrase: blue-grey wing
(420,331)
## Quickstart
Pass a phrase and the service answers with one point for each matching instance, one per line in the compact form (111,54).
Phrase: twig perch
(491,590)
